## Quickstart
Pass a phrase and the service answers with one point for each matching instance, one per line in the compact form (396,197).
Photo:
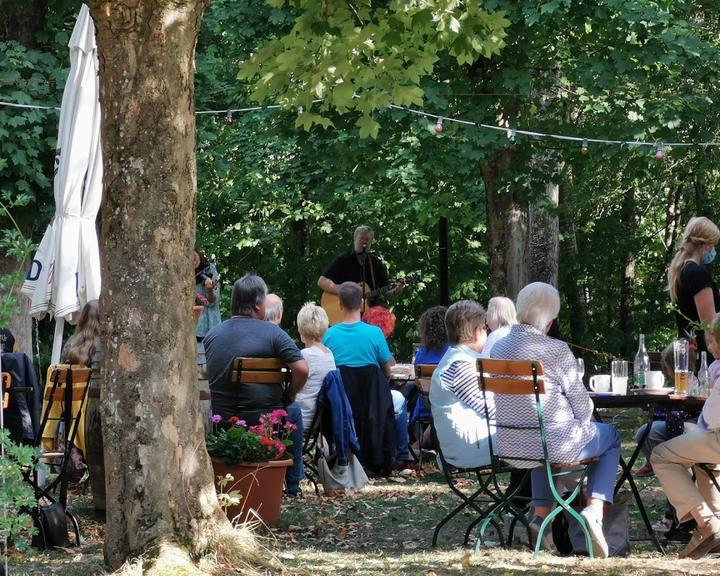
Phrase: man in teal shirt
(356,344)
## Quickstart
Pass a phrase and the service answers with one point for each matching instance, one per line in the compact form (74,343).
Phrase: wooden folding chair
(261,371)
(423,377)
(6,386)
(526,378)
(66,387)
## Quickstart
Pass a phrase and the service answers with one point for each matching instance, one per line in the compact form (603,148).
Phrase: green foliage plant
(16,495)
(362,56)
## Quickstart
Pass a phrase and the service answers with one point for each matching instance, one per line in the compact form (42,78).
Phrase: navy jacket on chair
(338,415)
(22,417)
(369,395)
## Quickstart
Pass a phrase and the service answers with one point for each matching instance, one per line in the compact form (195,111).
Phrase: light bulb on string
(660,151)
(229,117)
(584,147)
(439,125)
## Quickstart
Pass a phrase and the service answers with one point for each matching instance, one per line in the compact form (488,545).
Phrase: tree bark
(543,239)
(159,478)
(627,283)
(507,228)
(21,20)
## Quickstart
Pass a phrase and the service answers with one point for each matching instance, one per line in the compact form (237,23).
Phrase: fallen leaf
(465,560)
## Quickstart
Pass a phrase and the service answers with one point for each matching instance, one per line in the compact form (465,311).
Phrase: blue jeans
(658,434)
(296,472)
(601,478)
(402,452)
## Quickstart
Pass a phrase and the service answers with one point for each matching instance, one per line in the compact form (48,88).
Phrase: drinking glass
(680,356)
(581,367)
(619,371)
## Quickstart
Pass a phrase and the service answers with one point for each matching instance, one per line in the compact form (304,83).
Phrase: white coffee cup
(654,379)
(600,383)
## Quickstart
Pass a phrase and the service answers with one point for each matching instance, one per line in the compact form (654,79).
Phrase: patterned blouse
(566,405)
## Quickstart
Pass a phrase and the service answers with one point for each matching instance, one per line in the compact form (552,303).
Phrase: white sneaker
(594,523)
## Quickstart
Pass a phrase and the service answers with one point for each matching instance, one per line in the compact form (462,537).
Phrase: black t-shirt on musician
(693,279)
(348,268)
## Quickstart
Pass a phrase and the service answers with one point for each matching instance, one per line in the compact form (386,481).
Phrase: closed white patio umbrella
(65,271)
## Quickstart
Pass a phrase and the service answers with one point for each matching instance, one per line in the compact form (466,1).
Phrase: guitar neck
(378,292)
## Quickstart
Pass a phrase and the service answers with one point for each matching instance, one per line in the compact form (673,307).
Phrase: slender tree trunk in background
(160,489)
(543,238)
(507,228)
(21,20)
(571,284)
(627,287)
(701,207)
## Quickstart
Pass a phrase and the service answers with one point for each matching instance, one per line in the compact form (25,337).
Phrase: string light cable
(583,141)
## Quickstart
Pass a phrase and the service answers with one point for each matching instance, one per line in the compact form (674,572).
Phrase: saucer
(655,391)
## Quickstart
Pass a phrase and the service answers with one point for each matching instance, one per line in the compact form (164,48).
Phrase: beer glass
(680,356)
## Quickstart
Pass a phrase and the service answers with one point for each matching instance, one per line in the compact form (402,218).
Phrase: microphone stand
(363,258)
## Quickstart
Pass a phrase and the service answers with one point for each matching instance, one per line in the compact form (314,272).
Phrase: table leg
(626,476)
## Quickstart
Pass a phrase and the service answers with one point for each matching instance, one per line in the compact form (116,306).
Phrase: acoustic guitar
(331,302)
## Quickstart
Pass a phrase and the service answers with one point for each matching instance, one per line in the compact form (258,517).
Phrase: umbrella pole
(57,340)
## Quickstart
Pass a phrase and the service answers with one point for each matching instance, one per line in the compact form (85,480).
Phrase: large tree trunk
(543,238)
(159,478)
(507,228)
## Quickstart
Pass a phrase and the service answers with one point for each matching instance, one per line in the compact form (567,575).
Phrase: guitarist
(358,265)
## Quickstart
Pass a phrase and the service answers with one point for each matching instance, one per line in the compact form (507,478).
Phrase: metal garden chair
(526,378)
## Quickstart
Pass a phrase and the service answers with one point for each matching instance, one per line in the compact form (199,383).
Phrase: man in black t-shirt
(358,265)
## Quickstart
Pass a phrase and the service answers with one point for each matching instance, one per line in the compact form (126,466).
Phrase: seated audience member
(433,345)
(433,336)
(312,323)
(83,347)
(7,340)
(567,412)
(356,344)
(672,459)
(456,401)
(273,309)
(247,334)
(382,318)
(659,428)
(501,316)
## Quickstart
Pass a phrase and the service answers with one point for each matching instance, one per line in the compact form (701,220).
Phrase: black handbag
(51,524)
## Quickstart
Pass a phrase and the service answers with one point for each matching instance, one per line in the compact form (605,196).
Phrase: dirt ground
(384,530)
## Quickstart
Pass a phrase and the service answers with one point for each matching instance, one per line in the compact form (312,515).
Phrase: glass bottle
(641,364)
(703,376)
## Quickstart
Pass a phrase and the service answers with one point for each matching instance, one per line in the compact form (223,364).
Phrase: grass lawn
(386,530)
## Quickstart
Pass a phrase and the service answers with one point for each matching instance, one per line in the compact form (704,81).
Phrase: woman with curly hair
(433,336)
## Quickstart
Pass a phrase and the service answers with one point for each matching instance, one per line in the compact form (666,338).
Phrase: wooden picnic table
(650,402)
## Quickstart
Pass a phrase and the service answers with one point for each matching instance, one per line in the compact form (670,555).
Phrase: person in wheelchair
(567,410)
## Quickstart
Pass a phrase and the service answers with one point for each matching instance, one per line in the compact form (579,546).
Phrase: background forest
(282,200)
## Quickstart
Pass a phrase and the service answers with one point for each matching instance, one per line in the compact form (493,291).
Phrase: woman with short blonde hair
(312,322)
(692,289)
(500,317)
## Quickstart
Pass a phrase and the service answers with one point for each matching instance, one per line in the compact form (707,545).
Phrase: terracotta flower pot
(260,485)
(197,310)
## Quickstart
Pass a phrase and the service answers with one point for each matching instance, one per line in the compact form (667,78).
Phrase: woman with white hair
(312,323)
(567,410)
(501,316)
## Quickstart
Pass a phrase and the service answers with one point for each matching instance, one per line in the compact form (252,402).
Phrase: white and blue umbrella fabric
(65,272)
